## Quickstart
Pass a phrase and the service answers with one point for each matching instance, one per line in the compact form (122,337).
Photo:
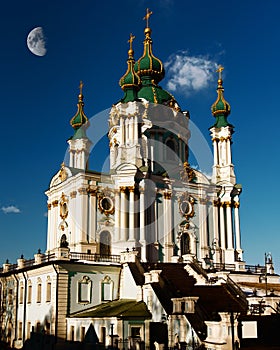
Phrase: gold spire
(130,41)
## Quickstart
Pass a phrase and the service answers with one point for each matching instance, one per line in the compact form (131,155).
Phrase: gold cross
(130,41)
(81,87)
(148,15)
(219,70)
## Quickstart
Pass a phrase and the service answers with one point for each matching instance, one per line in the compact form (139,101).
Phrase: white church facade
(149,254)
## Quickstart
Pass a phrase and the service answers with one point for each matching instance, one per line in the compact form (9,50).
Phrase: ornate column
(228,150)
(131,214)
(168,244)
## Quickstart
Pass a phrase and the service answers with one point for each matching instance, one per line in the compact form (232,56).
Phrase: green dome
(79,120)
(148,64)
(130,82)
(220,108)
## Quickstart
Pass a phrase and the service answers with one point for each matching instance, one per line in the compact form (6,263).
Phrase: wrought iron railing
(73,256)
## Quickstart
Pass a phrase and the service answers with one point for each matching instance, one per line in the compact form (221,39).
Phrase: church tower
(227,204)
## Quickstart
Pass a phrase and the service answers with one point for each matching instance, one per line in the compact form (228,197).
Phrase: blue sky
(87,40)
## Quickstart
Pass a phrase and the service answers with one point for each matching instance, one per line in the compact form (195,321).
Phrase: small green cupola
(80,121)
(220,108)
(130,81)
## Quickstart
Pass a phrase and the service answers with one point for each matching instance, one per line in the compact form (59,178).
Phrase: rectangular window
(72,333)
(39,292)
(48,328)
(84,290)
(103,335)
(21,292)
(38,327)
(20,330)
(29,294)
(10,297)
(83,333)
(106,291)
(28,330)
(48,292)
(135,332)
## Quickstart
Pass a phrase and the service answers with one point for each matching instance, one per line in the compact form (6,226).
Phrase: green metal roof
(122,308)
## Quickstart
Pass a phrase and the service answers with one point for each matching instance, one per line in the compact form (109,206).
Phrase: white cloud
(10,209)
(187,74)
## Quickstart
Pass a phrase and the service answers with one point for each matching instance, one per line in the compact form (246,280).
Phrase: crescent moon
(36,42)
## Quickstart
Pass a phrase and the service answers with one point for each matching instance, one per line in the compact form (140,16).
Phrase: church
(149,254)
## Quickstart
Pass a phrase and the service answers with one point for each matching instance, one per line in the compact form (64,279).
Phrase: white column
(142,215)
(131,214)
(237,226)
(92,217)
(229,226)
(222,227)
(228,151)
(168,246)
(121,131)
(117,216)
(215,149)
(123,214)
(136,130)
(142,226)
(71,159)
(126,130)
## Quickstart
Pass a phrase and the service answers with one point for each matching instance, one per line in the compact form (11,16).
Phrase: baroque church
(149,254)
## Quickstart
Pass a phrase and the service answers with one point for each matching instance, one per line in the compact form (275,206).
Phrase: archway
(185,243)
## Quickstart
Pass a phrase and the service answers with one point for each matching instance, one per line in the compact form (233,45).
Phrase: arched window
(39,290)
(29,292)
(105,243)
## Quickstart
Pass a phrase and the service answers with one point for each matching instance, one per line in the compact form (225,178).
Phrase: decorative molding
(55,203)
(49,206)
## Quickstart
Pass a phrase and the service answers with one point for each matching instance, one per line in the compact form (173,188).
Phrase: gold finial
(148,15)
(219,70)
(130,41)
